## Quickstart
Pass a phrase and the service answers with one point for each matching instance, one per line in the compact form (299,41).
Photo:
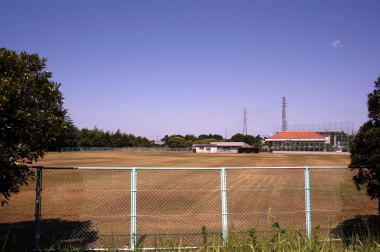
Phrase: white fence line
(224,193)
(129,149)
(190,168)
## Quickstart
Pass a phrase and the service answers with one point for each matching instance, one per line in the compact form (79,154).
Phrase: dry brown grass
(185,159)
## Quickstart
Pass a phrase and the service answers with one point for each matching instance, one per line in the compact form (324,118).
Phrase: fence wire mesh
(94,205)
(336,204)
(175,204)
(100,207)
(127,149)
(17,217)
(257,199)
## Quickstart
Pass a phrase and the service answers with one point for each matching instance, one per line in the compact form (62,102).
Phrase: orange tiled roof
(296,135)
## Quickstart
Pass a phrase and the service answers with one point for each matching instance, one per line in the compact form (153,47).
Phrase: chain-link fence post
(307,203)
(37,211)
(223,196)
(133,241)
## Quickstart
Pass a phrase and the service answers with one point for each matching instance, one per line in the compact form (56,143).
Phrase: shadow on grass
(54,233)
(362,227)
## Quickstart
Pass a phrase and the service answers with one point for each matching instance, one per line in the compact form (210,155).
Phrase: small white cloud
(337,43)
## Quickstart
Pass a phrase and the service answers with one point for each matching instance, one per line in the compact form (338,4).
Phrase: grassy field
(186,159)
(96,203)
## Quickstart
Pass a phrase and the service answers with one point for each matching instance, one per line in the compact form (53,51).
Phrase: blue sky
(153,68)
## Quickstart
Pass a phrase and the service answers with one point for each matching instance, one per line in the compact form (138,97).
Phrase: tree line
(74,137)
(71,136)
(179,141)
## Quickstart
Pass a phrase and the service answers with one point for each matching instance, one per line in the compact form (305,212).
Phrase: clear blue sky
(163,67)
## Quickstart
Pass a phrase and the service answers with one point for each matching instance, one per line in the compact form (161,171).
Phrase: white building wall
(229,149)
(205,149)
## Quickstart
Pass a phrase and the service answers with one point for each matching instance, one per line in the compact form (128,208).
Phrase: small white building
(160,143)
(215,147)
(208,148)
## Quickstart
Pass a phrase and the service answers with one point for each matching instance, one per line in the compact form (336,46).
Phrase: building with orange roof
(298,141)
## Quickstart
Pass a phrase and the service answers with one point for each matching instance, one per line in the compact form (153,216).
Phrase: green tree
(210,136)
(32,117)
(251,140)
(99,138)
(239,138)
(190,137)
(177,142)
(206,141)
(165,139)
(365,148)
(67,136)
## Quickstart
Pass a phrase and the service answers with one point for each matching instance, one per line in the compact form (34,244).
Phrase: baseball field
(92,207)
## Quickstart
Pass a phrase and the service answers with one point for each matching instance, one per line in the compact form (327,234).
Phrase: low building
(298,141)
(160,143)
(208,148)
(214,147)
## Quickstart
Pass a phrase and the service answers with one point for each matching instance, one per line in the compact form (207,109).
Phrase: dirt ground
(93,206)
(187,159)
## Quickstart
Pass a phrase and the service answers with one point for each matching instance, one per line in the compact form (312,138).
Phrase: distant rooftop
(159,142)
(223,144)
(204,145)
(231,144)
(297,135)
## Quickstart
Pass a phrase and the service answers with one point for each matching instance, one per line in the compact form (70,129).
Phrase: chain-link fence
(94,207)
(129,149)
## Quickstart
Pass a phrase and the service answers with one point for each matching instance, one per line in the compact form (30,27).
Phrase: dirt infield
(93,206)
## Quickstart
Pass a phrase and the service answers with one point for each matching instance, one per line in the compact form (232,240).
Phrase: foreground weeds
(278,240)
(285,244)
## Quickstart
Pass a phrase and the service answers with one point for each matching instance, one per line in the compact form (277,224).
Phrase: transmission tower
(245,122)
(284,122)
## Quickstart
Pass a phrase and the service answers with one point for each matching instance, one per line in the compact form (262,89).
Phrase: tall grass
(285,243)
(280,240)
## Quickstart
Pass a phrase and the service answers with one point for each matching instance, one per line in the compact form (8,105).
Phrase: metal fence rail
(146,207)
(129,149)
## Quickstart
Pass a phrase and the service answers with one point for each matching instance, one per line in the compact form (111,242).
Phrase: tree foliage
(179,141)
(210,136)
(176,141)
(32,117)
(206,141)
(255,141)
(100,138)
(365,148)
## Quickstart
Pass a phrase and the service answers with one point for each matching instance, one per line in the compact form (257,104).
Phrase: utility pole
(245,131)
(284,122)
